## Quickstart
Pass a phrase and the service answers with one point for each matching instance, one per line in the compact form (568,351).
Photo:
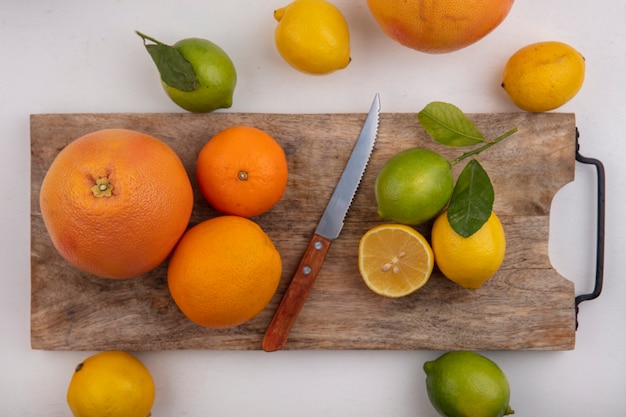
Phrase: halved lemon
(395,260)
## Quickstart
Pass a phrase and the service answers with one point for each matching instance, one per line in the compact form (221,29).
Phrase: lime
(467,384)
(196,74)
(312,36)
(468,261)
(216,75)
(413,186)
(543,76)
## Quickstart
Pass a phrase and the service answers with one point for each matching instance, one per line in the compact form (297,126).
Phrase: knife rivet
(318,245)
(306,270)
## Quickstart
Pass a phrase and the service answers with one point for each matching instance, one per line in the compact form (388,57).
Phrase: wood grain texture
(527,305)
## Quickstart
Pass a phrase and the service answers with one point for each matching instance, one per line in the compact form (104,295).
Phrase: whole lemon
(111,384)
(312,36)
(467,384)
(468,261)
(543,76)
(438,26)
(413,186)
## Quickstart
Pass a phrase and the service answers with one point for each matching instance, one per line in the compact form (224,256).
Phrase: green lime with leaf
(196,74)
(416,184)
(467,384)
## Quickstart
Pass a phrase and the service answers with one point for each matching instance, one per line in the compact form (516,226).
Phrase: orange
(395,260)
(115,202)
(242,171)
(438,26)
(224,271)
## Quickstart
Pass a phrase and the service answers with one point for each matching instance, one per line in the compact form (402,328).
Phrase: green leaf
(174,69)
(472,200)
(448,125)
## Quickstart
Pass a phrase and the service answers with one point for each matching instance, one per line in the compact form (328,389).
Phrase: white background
(60,56)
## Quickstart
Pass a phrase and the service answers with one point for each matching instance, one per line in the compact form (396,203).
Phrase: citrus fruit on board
(467,384)
(468,261)
(115,202)
(543,76)
(394,260)
(224,271)
(312,36)
(242,171)
(438,26)
(413,186)
(111,384)
(197,74)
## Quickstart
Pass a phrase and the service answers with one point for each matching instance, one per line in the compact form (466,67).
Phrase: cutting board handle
(599,228)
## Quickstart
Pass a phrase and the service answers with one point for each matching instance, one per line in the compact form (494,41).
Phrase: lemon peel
(543,76)
(312,36)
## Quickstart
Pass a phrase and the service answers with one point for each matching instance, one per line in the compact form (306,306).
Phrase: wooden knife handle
(296,294)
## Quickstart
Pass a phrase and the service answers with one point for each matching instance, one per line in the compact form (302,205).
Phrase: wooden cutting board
(527,305)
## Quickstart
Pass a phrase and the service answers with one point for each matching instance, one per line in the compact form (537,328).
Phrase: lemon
(312,36)
(467,384)
(394,260)
(111,384)
(468,261)
(543,76)
(413,186)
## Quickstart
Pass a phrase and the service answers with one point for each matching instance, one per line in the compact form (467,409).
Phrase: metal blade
(332,220)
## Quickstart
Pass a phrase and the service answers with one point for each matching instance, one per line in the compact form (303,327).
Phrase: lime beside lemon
(413,186)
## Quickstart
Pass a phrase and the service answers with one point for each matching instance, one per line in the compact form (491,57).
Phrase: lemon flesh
(394,260)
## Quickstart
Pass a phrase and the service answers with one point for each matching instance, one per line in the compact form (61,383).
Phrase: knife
(327,230)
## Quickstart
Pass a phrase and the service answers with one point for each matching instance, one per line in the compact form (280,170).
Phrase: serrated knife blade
(328,229)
